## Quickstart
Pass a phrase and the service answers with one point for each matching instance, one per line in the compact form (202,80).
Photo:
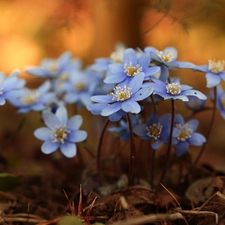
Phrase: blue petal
(64,58)
(61,113)
(179,119)
(195,93)
(136,82)
(156,144)
(115,78)
(144,61)
(68,149)
(196,139)
(77,136)
(193,124)
(75,122)
(131,106)
(50,119)
(102,98)
(212,80)
(115,107)
(141,94)
(49,147)
(71,97)
(140,130)
(9,83)
(97,108)
(36,71)
(130,55)
(116,68)
(43,133)
(181,148)
(44,87)
(2,101)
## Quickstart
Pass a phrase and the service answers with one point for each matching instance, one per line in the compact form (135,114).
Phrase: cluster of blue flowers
(113,87)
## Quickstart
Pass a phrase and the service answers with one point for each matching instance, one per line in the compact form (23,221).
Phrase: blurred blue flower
(214,72)
(10,87)
(166,59)
(60,132)
(52,68)
(34,99)
(132,65)
(123,130)
(124,97)
(195,103)
(157,129)
(174,90)
(187,135)
(220,100)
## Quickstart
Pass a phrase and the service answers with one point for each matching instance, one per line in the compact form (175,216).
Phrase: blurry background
(31,30)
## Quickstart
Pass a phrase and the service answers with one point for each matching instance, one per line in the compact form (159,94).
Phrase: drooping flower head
(60,132)
(187,135)
(214,72)
(123,97)
(174,90)
(157,129)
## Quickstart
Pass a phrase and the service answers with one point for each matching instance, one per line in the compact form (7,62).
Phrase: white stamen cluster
(216,66)
(173,88)
(53,67)
(185,132)
(116,57)
(29,97)
(131,70)
(166,56)
(80,86)
(154,131)
(121,94)
(60,133)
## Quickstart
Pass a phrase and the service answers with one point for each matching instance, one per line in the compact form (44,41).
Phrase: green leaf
(9,182)
(69,220)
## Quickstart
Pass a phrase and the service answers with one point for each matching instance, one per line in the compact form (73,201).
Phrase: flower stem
(99,151)
(169,144)
(209,130)
(132,152)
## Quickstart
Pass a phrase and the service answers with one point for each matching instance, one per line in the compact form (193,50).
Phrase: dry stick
(209,131)
(169,144)
(132,151)
(99,151)
(152,218)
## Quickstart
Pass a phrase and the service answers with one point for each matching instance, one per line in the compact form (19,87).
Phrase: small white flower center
(29,97)
(185,132)
(53,66)
(60,133)
(116,57)
(166,56)
(216,66)
(121,94)
(63,76)
(80,86)
(173,88)
(131,70)
(154,130)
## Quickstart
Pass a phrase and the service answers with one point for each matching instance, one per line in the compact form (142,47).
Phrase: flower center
(166,56)
(29,97)
(121,94)
(53,66)
(131,70)
(185,132)
(154,131)
(216,66)
(60,133)
(63,77)
(80,87)
(116,57)
(173,89)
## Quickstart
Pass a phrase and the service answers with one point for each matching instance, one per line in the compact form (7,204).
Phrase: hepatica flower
(10,87)
(157,129)
(60,132)
(174,90)
(34,99)
(187,135)
(214,72)
(124,97)
(132,66)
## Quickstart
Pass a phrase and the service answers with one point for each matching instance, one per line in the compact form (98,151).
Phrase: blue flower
(10,87)
(187,135)
(166,59)
(220,100)
(174,90)
(131,66)
(214,72)
(60,132)
(123,130)
(52,68)
(124,97)
(157,129)
(34,99)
